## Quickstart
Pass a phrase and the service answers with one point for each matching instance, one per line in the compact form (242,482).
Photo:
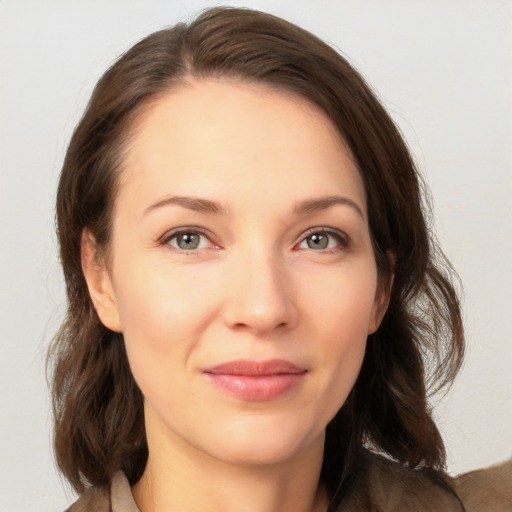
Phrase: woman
(254,296)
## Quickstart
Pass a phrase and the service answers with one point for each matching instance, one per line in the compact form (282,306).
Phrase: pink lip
(256,380)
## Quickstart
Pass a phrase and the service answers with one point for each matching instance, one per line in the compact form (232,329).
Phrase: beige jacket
(379,486)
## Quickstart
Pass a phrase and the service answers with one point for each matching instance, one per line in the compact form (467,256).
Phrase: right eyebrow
(197,204)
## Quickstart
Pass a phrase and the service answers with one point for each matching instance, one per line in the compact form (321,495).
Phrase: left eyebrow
(322,203)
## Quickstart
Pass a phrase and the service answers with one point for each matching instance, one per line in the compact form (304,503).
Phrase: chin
(262,443)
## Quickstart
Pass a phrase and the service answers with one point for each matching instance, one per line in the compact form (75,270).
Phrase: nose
(260,295)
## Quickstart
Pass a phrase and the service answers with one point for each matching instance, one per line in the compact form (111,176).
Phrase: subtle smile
(256,380)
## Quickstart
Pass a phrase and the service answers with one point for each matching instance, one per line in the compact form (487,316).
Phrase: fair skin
(240,233)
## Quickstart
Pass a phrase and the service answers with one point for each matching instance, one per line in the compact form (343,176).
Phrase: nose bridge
(262,294)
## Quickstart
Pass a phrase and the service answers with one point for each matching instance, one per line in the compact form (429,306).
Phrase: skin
(260,285)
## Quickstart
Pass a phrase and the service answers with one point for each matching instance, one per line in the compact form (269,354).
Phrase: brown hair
(99,424)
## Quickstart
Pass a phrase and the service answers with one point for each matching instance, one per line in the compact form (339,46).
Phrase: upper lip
(256,368)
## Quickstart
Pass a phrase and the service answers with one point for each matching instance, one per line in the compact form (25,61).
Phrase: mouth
(256,380)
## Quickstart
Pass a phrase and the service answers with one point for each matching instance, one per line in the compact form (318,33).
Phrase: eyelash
(342,239)
(166,239)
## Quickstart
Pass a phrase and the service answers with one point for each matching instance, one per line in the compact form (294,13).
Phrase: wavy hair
(98,407)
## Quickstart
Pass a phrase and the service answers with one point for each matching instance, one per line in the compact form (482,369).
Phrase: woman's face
(241,271)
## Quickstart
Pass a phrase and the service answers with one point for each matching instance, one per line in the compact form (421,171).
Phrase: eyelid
(164,240)
(344,240)
(169,235)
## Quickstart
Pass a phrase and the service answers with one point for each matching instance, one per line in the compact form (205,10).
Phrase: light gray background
(443,69)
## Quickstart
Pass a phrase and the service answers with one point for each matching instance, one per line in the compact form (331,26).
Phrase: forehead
(217,136)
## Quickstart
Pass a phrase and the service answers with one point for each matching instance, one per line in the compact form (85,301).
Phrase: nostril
(262,302)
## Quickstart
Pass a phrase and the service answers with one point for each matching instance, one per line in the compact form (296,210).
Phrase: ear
(99,282)
(383,295)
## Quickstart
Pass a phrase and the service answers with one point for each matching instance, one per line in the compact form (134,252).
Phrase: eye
(324,240)
(187,240)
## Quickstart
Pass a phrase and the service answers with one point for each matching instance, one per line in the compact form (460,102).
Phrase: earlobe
(99,283)
(383,295)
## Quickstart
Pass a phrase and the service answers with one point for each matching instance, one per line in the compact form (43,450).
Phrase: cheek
(156,303)
(343,303)
(161,316)
(342,313)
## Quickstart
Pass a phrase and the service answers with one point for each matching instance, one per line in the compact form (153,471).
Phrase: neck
(178,477)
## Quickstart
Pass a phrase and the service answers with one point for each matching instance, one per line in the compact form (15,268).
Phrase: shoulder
(488,490)
(378,483)
(381,484)
(117,498)
(94,498)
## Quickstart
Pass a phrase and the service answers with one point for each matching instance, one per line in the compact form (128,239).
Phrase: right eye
(188,240)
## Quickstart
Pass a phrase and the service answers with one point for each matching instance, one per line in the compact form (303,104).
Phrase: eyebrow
(202,205)
(322,203)
(192,203)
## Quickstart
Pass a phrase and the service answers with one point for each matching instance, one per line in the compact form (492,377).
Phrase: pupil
(318,241)
(188,241)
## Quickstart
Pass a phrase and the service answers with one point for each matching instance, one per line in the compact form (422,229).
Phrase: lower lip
(260,387)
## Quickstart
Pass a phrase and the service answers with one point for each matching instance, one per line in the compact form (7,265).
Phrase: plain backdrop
(442,68)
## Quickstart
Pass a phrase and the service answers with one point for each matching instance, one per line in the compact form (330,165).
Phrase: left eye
(188,241)
(322,240)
